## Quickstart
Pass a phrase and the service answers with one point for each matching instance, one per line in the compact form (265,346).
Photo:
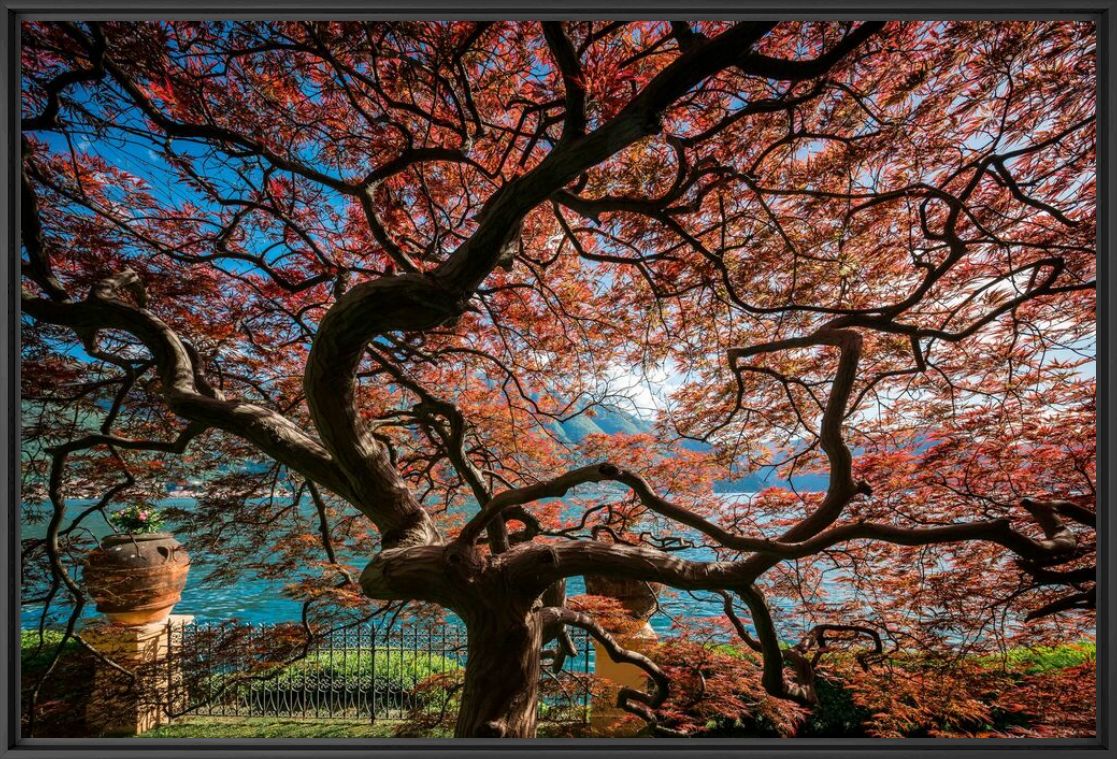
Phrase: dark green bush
(835,715)
(60,710)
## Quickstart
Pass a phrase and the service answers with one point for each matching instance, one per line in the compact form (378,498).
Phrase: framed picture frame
(178,256)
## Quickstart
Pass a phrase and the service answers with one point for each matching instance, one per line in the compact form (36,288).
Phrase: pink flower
(142,516)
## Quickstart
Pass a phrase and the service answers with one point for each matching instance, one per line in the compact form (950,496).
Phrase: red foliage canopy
(388,258)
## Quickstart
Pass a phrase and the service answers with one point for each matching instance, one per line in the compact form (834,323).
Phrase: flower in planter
(137,518)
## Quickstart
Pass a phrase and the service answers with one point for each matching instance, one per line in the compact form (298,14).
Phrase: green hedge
(334,678)
(400,667)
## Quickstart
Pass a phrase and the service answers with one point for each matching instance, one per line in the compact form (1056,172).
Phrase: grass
(1039,659)
(1033,660)
(267,727)
(262,727)
(36,653)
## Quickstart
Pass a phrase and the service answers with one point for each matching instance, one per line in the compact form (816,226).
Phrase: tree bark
(501,694)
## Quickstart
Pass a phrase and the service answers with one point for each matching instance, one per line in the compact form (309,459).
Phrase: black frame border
(1103,12)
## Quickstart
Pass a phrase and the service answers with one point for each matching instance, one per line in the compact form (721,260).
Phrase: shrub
(1054,703)
(716,691)
(1039,691)
(401,668)
(836,715)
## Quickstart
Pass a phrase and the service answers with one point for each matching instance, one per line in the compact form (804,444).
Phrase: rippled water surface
(262,601)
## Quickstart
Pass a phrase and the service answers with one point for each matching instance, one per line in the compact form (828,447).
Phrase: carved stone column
(121,705)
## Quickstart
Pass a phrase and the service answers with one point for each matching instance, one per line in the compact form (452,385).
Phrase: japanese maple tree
(387,258)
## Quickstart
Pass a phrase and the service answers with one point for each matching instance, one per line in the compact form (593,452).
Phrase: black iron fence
(406,671)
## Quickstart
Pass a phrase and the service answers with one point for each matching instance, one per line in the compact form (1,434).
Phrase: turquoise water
(259,601)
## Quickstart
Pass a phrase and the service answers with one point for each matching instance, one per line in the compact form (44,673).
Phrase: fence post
(120,705)
(173,659)
(587,683)
(372,668)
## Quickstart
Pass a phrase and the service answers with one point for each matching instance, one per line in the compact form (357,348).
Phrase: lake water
(260,601)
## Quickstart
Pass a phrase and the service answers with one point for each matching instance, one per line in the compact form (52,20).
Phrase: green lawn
(268,727)
(1039,659)
(263,727)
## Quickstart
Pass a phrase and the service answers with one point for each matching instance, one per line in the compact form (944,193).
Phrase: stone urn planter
(637,596)
(137,578)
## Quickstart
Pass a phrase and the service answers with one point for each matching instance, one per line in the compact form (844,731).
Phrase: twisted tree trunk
(501,694)
(501,616)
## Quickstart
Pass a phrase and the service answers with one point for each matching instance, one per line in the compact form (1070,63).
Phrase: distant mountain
(610,420)
(606,420)
(804,483)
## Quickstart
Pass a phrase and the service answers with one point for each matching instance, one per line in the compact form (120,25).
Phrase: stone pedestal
(605,714)
(121,705)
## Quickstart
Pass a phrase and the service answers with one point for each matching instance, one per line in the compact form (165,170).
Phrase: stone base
(121,705)
(606,718)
